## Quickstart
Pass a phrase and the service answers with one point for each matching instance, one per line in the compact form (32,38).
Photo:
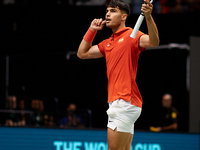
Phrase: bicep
(93,52)
(145,41)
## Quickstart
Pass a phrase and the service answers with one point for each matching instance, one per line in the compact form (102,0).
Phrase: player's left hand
(147,8)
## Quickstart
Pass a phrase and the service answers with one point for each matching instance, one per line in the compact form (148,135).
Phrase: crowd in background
(16,114)
(160,6)
(34,114)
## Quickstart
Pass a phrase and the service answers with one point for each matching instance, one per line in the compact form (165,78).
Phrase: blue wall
(66,139)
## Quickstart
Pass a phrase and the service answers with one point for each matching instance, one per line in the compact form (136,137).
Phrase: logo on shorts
(110,121)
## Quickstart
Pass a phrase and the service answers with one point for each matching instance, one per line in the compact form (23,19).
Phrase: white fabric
(122,115)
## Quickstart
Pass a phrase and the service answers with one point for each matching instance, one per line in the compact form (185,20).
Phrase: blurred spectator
(21,117)
(11,118)
(91,2)
(64,2)
(166,5)
(137,4)
(174,6)
(49,120)
(7,2)
(194,5)
(178,7)
(73,2)
(71,119)
(169,122)
(37,118)
(156,7)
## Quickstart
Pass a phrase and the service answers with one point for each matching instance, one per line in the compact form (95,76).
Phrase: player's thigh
(118,140)
(128,146)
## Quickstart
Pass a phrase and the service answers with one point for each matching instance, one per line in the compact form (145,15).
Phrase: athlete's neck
(114,29)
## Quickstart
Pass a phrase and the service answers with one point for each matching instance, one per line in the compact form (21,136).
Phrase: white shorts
(122,115)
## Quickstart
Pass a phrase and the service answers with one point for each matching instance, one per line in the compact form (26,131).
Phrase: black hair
(120,4)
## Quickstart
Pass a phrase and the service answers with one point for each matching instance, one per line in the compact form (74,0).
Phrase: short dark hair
(120,4)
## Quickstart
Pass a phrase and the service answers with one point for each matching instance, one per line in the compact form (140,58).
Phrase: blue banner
(12,138)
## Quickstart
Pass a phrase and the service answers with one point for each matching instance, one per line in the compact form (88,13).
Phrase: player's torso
(120,54)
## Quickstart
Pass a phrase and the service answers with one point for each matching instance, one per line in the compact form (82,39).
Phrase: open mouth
(108,20)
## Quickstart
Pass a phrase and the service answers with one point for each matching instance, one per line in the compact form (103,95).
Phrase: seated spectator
(194,5)
(166,6)
(178,7)
(169,122)
(49,120)
(90,2)
(71,119)
(11,118)
(21,117)
(136,6)
(37,118)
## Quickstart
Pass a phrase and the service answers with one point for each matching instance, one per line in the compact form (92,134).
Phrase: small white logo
(108,45)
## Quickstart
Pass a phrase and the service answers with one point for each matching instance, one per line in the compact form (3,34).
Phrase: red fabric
(122,53)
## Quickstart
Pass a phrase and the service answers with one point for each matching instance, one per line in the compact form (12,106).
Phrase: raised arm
(152,39)
(86,50)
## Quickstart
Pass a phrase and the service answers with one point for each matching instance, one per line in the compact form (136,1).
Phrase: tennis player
(121,53)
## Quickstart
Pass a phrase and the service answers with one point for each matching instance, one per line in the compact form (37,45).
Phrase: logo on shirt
(174,115)
(121,40)
(108,45)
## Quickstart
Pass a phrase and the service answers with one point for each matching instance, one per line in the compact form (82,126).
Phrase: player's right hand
(97,24)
